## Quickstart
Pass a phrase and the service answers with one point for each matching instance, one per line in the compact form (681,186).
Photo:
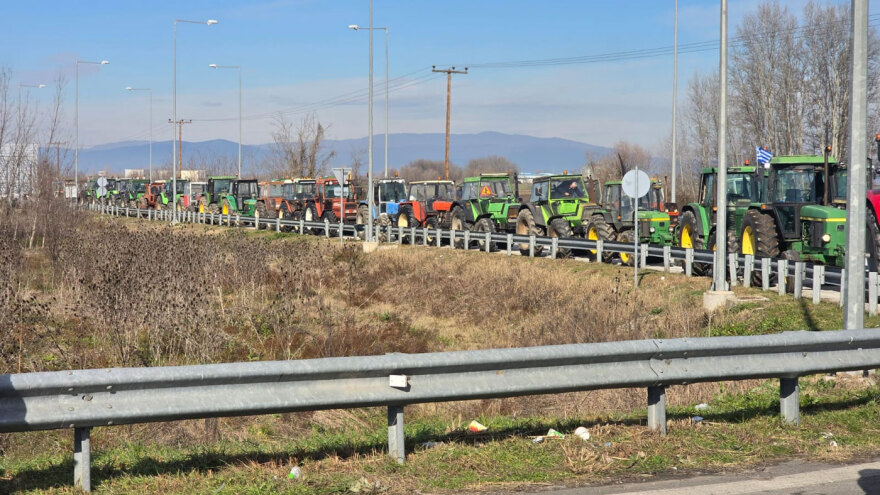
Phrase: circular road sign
(102,186)
(636,183)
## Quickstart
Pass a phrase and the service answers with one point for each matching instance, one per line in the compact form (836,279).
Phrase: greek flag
(764,155)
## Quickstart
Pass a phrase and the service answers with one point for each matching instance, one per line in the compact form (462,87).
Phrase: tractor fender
(704,226)
(536,214)
(441,205)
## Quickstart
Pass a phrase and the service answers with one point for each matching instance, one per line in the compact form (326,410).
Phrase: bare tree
(430,170)
(297,149)
(489,164)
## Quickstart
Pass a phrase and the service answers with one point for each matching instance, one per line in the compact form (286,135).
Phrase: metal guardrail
(789,276)
(82,399)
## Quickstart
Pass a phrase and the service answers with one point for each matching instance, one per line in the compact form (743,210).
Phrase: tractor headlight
(651,230)
(826,238)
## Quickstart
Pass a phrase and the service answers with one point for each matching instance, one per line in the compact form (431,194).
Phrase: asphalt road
(788,478)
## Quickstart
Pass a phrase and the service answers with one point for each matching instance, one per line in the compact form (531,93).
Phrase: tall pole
(674,96)
(854,292)
(386,102)
(174,164)
(76,124)
(449,73)
(369,235)
(721,217)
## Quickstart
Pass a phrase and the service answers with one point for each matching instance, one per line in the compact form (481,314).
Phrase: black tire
(285,213)
(261,211)
(458,224)
(687,236)
(310,214)
(598,229)
(758,237)
(405,221)
(627,237)
(362,212)
(482,226)
(561,228)
(525,225)
(872,239)
(431,223)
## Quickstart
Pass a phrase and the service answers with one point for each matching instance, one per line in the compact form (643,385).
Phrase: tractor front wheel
(432,224)
(457,223)
(561,228)
(599,230)
(525,225)
(482,226)
(261,210)
(627,237)
(688,237)
(758,238)
(406,220)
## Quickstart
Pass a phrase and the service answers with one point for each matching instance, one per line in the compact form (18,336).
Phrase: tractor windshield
(494,188)
(247,189)
(393,192)
(139,187)
(795,185)
(304,190)
(838,185)
(221,186)
(741,187)
(122,186)
(197,189)
(334,190)
(567,188)
(276,190)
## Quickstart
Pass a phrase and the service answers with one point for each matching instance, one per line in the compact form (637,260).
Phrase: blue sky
(295,53)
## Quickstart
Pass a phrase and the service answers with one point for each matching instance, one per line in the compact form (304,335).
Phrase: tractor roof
(801,160)
(490,177)
(743,169)
(299,180)
(222,177)
(556,177)
(432,182)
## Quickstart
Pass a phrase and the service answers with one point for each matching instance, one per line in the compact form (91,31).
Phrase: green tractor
(696,224)
(128,192)
(184,193)
(557,207)
(228,194)
(486,203)
(615,219)
(801,217)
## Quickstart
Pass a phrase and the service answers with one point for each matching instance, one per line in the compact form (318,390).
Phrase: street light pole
(129,88)
(721,220)
(356,28)
(215,66)
(76,124)
(674,95)
(174,164)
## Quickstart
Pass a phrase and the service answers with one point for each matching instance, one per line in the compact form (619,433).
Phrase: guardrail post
(798,279)
(400,235)
(748,268)
(256,220)
(765,273)
(781,273)
(731,263)
(439,238)
(872,292)
(554,245)
(789,402)
(452,238)
(467,239)
(396,445)
(238,220)
(425,236)
(667,252)
(82,459)
(818,280)
(488,242)
(342,232)
(689,262)
(509,244)
(277,224)
(532,246)
(412,236)
(644,259)
(302,226)
(657,409)
(327,228)
(842,285)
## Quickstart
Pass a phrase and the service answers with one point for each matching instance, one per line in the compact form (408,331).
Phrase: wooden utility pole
(449,72)
(179,124)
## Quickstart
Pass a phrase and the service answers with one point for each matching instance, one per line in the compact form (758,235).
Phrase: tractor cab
(797,188)
(244,189)
(390,192)
(654,224)
(302,189)
(493,197)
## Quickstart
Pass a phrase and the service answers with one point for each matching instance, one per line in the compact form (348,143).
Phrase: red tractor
(151,200)
(331,201)
(428,204)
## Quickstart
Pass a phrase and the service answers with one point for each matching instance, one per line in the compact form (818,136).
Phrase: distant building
(18,169)
(134,173)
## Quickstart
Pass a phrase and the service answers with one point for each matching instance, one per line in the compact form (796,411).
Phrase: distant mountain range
(532,154)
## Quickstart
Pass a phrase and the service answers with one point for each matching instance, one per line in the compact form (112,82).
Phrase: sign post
(341,175)
(635,184)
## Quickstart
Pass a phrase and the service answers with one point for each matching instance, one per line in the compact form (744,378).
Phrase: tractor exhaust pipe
(827,151)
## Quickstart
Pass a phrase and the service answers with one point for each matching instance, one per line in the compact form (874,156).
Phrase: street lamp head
(104,62)
(128,88)
(213,66)
(211,21)
(41,85)
(353,26)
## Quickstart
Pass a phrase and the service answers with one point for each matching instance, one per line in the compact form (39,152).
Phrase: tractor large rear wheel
(405,221)
(431,224)
(480,228)
(261,211)
(310,214)
(689,237)
(758,238)
(598,229)
(525,225)
(561,228)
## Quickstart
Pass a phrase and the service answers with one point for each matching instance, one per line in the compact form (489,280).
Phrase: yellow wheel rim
(225,209)
(201,208)
(401,222)
(748,241)
(624,257)
(687,241)
(592,236)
